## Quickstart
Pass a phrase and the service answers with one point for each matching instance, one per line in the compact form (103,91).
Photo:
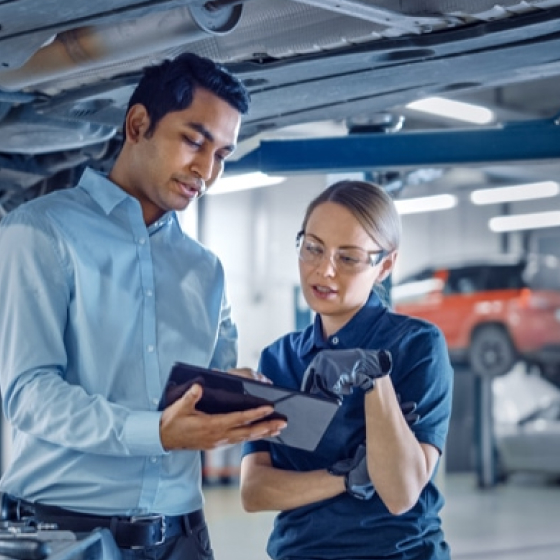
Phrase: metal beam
(388,18)
(535,140)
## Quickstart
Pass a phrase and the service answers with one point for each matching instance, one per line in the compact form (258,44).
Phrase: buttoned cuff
(141,432)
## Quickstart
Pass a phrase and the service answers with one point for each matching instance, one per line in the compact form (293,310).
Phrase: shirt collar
(109,195)
(101,189)
(167,219)
(351,334)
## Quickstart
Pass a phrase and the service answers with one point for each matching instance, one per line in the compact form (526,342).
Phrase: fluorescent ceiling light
(524,221)
(243,182)
(515,193)
(453,110)
(426,204)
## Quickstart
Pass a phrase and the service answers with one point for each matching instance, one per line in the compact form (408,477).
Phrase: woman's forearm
(264,487)
(399,466)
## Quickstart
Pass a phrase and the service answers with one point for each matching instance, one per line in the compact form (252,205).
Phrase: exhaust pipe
(87,48)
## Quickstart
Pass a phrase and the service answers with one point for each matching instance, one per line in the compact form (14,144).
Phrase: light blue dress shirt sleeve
(97,309)
(37,398)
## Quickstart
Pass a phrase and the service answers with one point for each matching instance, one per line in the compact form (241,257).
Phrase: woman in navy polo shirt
(367,491)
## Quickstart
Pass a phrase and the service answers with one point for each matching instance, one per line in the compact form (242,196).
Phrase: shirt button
(153,459)
(155,400)
(150,348)
(142,241)
(335,340)
(149,293)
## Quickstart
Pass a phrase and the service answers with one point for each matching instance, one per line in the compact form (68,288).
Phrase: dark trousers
(194,546)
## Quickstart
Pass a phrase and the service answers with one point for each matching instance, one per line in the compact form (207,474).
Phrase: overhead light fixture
(426,204)
(519,222)
(515,193)
(452,109)
(244,182)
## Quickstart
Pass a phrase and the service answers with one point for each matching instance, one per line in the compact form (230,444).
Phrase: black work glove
(409,411)
(355,473)
(334,373)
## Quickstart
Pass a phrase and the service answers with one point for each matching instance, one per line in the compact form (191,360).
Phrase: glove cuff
(360,494)
(365,492)
(336,471)
(385,365)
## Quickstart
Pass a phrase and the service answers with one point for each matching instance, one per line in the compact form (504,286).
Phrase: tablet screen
(307,415)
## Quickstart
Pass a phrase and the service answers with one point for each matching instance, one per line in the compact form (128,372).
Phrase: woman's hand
(249,373)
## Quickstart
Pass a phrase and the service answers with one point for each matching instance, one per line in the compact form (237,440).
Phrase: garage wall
(253,232)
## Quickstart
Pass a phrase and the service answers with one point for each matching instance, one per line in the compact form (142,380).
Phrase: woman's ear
(387,265)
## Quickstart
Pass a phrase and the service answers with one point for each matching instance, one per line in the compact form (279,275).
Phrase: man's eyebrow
(208,135)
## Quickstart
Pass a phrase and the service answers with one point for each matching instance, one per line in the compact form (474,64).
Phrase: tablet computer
(308,416)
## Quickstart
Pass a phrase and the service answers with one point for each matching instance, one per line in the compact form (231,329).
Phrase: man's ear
(137,122)
(387,265)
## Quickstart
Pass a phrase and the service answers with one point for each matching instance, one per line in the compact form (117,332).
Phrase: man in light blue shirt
(103,292)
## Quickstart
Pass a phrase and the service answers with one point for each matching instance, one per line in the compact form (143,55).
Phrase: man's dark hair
(169,87)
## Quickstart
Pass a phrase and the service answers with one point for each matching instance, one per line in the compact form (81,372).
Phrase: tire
(551,372)
(491,352)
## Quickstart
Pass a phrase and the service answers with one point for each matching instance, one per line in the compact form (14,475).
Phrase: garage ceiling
(314,68)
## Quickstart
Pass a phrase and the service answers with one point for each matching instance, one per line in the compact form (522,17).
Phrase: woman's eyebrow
(315,237)
(340,246)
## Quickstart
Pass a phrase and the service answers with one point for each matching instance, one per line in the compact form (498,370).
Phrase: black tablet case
(308,415)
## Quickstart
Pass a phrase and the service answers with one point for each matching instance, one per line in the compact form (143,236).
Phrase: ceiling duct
(96,46)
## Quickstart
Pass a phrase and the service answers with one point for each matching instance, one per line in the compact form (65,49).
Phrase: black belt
(139,531)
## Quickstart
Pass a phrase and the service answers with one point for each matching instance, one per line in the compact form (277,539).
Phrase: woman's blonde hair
(370,205)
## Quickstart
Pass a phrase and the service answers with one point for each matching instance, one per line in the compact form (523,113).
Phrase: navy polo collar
(350,335)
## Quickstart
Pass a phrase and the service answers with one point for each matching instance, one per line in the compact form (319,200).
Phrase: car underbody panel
(68,68)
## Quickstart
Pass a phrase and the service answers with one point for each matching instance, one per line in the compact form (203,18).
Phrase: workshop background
(452,106)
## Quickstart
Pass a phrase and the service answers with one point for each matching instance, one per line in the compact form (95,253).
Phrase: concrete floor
(519,520)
